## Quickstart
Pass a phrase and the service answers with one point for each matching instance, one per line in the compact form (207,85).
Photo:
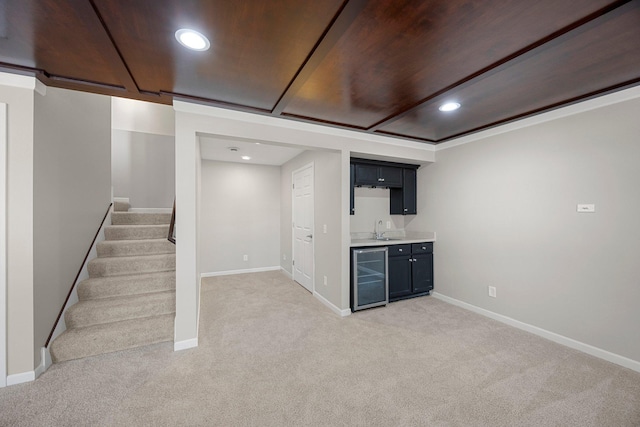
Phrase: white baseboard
(286,273)
(552,336)
(338,311)
(23,377)
(185,345)
(248,270)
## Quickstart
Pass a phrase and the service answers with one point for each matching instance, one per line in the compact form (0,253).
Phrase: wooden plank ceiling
(377,66)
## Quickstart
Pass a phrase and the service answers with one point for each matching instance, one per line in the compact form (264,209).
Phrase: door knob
(310,236)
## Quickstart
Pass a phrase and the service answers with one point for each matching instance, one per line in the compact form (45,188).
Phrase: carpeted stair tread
(109,310)
(136,232)
(76,343)
(116,266)
(121,206)
(116,248)
(140,218)
(129,299)
(113,286)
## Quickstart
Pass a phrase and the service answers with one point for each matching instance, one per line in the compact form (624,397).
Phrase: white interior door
(303,261)
(3,245)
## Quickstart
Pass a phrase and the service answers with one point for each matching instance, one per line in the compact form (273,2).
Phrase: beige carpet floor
(272,355)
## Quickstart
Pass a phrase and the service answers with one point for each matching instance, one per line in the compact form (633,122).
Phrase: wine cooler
(369,282)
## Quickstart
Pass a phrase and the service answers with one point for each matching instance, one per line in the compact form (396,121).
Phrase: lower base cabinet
(410,270)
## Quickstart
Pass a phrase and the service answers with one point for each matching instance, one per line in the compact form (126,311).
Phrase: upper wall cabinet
(378,176)
(400,178)
(404,201)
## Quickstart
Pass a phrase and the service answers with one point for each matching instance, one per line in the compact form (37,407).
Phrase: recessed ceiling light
(246,158)
(449,106)
(192,39)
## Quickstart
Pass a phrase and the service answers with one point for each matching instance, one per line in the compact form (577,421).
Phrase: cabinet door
(390,176)
(353,183)
(422,273)
(366,174)
(409,193)
(399,276)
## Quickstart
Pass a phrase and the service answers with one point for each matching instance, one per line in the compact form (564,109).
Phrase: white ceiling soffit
(261,153)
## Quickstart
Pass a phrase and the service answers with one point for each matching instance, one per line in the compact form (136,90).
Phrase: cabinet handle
(410,260)
(399,250)
(380,179)
(424,248)
(406,209)
(414,260)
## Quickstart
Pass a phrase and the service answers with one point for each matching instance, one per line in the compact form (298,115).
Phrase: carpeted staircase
(129,298)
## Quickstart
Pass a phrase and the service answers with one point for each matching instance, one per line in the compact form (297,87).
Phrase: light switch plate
(586,208)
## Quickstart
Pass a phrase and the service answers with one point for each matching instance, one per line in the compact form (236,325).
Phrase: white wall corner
(21,378)
(41,88)
(551,336)
(334,308)
(45,361)
(286,273)
(185,345)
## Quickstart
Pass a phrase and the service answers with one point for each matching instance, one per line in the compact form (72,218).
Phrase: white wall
(18,93)
(143,168)
(504,209)
(239,215)
(71,194)
(3,244)
(326,210)
(140,116)
(193,120)
(373,205)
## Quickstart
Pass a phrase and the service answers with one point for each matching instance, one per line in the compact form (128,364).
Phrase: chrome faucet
(379,235)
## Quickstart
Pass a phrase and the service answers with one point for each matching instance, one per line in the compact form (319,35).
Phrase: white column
(187,275)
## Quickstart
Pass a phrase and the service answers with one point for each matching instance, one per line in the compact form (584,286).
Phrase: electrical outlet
(325,280)
(492,291)
(388,225)
(245,257)
(324,228)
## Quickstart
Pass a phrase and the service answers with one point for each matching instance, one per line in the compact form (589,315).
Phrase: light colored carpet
(129,298)
(272,355)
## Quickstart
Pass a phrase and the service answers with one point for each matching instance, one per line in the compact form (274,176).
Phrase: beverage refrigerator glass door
(370,278)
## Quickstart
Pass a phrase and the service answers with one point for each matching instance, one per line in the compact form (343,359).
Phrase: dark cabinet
(399,271)
(400,178)
(353,184)
(378,176)
(404,200)
(410,270)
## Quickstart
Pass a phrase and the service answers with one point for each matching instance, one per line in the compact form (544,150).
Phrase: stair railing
(73,284)
(172,227)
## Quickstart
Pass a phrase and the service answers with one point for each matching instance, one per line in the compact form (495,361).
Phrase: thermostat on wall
(586,208)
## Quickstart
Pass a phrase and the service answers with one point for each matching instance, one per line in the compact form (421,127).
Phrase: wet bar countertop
(392,238)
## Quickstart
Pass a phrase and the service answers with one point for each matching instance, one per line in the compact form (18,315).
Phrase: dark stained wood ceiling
(377,66)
